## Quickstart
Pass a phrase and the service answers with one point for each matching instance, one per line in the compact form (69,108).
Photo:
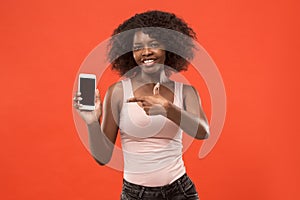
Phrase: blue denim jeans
(182,188)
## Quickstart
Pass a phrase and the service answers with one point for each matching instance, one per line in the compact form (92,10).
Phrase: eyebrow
(154,40)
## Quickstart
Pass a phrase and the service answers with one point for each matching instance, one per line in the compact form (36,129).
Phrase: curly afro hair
(167,28)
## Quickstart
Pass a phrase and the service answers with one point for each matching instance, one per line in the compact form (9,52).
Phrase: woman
(148,108)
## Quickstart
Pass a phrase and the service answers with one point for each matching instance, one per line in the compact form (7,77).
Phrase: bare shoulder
(115,93)
(115,90)
(189,90)
(191,99)
(116,87)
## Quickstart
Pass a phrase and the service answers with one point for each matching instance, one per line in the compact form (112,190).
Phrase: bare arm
(102,137)
(191,119)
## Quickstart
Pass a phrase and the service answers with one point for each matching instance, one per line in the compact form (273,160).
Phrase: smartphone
(87,87)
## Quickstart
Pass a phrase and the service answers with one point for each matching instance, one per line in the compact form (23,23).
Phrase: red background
(255,45)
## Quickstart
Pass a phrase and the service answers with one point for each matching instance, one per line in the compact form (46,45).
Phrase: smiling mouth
(148,62)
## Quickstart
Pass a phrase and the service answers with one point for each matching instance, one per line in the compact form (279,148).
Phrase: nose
(146,51)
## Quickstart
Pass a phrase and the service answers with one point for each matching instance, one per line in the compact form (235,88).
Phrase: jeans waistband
(183,180)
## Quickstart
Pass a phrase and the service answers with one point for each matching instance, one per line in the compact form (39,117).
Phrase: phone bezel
(89,76)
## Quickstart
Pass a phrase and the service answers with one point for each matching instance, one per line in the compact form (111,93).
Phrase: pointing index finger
(134,99)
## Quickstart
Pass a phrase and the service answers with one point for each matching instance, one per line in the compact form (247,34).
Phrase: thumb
(156,89)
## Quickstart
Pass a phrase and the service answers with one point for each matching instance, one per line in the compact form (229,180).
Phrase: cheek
(163,55)
(135,56)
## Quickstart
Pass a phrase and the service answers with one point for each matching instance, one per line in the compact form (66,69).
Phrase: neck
(158,77)
(153,78)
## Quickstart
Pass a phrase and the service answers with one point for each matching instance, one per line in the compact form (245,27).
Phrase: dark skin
(148,90)
(150,56)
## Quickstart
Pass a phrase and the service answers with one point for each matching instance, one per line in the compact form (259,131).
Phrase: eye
(136,47)
(154,45)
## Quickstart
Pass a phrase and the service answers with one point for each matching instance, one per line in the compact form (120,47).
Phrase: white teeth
(148,61)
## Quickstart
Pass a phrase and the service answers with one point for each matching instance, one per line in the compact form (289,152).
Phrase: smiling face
(148,53)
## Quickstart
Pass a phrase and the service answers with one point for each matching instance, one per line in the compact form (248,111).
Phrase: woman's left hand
(153,105)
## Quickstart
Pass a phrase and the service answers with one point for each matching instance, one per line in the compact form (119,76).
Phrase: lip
(148,61)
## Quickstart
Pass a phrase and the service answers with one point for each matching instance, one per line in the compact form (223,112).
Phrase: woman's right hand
(88,116)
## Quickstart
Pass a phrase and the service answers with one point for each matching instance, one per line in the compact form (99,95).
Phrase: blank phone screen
(87,89)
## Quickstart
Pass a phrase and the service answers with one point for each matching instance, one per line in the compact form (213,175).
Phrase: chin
(151,69)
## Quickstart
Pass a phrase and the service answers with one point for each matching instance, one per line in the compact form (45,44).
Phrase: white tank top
(152,145)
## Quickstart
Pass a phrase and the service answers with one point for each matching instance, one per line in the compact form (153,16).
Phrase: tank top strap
(178,88)
(127,89)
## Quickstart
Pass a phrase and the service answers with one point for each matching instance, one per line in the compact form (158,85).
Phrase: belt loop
(163,192)
(180,186)
(141,192)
